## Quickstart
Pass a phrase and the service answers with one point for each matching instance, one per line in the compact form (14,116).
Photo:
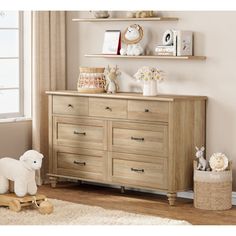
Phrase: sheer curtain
(48,72)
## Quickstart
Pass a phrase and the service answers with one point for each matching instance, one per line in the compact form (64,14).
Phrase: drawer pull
(137,139)
(70,105)
(146,110)
(79,133)
(108,108)
(80,163)
(137,170)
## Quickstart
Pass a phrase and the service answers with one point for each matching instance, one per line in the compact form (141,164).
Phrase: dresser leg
(122,189)
(171,198)
(53,181)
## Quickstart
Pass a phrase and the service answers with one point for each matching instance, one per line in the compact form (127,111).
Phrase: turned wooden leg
(171,198)
(53,182)
(122,189)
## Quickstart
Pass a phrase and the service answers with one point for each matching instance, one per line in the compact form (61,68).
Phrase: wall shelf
(125,19)
(147,57)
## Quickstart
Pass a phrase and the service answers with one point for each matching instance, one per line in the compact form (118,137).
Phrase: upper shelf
(125,19)
(147,57)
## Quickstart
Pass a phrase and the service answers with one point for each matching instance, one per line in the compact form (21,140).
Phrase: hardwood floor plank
(138,202)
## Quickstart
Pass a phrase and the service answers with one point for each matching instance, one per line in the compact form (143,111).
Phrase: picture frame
(112,42)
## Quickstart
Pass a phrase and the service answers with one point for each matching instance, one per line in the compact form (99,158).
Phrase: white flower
(149,73)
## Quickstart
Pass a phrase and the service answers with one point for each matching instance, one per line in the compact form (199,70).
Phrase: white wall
(215,36)
(15,138)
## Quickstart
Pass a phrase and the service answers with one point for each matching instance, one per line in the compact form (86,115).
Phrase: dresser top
(123,95)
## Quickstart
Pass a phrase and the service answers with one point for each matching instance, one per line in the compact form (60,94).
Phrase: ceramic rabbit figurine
(202,162)
(111,79)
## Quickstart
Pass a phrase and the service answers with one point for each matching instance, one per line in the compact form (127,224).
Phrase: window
(11,64)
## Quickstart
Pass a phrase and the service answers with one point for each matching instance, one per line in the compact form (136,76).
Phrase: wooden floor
(137,202)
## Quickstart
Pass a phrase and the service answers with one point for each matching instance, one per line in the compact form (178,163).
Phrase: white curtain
(49,73)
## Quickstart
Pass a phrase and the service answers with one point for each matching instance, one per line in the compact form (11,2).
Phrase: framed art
(112,42)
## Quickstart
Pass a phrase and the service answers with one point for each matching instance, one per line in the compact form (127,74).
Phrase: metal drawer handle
(108,108)
(137,170)
(137,139)
(80,163)
(146,110)
(79,133)
(70,105)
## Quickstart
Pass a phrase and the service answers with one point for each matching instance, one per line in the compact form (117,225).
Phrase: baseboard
(189,195)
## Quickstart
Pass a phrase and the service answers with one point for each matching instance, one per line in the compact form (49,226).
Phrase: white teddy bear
(22,172)
(131,37)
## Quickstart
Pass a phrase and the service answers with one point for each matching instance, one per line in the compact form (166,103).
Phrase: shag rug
(67,213)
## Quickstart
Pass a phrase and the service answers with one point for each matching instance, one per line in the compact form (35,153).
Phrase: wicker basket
(213,190)
(91,80)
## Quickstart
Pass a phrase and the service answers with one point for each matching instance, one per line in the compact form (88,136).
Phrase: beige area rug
(67,213)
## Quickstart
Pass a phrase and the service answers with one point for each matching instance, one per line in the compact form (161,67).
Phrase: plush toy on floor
(22,173)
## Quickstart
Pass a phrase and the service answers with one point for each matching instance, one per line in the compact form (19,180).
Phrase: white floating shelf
(147,57)
(125,19)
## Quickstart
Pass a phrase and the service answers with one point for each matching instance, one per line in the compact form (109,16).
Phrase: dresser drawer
(148,110)
(84,133)
(68,105)
(86,164)
(139,138)
(139,173)
(110,108)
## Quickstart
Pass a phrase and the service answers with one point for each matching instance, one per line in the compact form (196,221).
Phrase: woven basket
(91,80)
(213,190)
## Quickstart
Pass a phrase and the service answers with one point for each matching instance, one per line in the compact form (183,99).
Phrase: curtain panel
(48,73)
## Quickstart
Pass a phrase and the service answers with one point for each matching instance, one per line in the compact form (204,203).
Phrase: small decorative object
(144,14)
(111,79)
(131,37)
(218,162)
(184,43)
(150,76)
(169,44)
(130,14)
(202,162)
(21,171)
(91,80)
(112,42)
(101,14)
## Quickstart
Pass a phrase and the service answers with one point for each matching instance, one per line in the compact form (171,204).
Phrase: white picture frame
(112,41)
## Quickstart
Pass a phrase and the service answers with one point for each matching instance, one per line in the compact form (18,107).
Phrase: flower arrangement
(147,73)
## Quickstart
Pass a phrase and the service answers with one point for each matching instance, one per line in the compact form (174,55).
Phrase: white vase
(150,88)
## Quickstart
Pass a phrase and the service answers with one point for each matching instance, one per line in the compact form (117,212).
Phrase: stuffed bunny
(202,162)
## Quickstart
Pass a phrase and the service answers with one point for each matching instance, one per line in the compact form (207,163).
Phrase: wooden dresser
(126,139)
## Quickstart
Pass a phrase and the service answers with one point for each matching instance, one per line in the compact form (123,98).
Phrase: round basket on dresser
(213,190)
(91,80)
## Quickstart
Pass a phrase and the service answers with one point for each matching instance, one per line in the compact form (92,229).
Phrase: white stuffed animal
(22,172)
(131,37)
(202,162)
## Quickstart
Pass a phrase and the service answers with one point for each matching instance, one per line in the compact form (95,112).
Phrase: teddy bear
(21,171)
(131,37)
(111,82)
